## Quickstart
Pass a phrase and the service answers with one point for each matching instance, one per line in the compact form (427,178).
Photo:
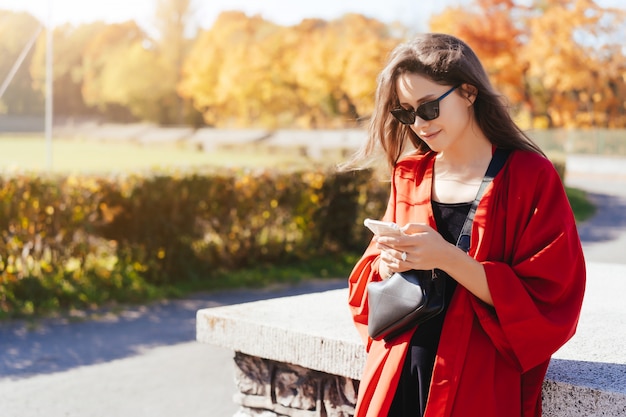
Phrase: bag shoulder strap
(495,165)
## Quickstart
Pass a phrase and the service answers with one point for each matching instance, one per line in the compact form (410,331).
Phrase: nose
(419,122)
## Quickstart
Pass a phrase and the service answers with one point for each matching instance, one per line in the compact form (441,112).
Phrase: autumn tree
(123,75)
(70,43)
(337,65)
(175,29)
(246,70)
(560,60)
(492,29)
(574,57)
(234,74)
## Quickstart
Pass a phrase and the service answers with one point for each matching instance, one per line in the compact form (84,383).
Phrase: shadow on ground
(48,346)
(609,221)
(586,373)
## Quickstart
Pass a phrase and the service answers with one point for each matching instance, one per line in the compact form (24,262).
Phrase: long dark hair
(446,60)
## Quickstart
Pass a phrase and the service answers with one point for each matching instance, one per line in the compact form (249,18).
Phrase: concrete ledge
(587,377)
(314,331)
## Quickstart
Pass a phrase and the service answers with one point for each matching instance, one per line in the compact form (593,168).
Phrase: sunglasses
(425,111)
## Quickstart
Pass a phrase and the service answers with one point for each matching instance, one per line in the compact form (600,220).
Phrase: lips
(427,136)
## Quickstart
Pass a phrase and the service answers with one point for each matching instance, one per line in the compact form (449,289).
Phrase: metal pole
(19,61)
(49,109)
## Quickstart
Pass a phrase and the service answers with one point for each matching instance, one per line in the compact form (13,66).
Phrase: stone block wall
(301,356)
(274,389)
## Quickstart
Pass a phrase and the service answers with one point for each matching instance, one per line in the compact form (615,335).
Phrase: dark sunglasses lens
(429,110)
(426,111)
(404,116)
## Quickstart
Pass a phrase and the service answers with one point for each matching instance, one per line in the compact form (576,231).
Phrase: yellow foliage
(560,59)
(248,71)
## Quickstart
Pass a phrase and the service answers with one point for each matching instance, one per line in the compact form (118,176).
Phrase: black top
(412,392)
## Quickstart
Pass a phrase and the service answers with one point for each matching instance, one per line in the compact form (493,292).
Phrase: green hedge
(74,242)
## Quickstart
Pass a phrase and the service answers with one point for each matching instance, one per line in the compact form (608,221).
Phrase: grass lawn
(29,153)
(581,206)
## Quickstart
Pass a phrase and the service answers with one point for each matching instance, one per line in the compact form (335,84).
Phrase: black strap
(497,162)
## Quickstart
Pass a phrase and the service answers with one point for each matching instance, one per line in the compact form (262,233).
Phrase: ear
(469,92)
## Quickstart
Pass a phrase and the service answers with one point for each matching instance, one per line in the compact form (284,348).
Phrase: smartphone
(383,228)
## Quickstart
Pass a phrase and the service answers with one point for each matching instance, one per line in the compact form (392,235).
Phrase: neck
(468,155)
(459,170)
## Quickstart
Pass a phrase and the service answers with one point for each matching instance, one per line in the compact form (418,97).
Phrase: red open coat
(491,361)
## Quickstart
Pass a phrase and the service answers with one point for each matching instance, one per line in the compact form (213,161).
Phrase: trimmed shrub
(75,242)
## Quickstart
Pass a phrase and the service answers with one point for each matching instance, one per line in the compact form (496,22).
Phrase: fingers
(400,243)
(416,249)
(395,260)
(414,228)
(409,232)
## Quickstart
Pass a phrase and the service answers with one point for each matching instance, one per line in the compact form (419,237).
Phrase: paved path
(145,361)
(604,178)
(142,362)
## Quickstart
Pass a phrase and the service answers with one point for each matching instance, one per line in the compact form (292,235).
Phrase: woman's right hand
(384,269)
(390,261)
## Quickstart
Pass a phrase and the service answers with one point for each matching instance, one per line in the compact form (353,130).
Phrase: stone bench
(301,356)
(316,144)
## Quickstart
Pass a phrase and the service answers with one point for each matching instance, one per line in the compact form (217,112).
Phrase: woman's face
(453,120)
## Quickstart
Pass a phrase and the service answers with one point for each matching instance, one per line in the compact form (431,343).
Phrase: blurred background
(155,151)
(275,64)
(116,118)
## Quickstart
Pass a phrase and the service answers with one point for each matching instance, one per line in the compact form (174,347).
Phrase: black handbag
(410,298)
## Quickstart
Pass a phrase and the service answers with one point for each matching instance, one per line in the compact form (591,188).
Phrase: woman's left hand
(420,247)
(426,249)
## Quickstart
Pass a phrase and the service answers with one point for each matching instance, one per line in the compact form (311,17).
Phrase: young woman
(515,298)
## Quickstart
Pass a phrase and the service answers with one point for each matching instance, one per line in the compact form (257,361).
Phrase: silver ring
(403,257)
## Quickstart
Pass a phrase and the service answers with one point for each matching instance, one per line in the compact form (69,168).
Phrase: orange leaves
(558,59)
(490,29)
(248,71)
(229,68)
(567,52)
(102,84)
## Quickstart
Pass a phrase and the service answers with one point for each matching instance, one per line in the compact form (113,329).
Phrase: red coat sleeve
(407,188)
(534,263)
(364,272)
